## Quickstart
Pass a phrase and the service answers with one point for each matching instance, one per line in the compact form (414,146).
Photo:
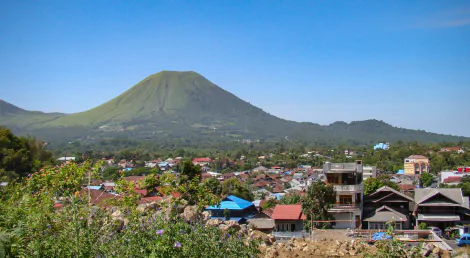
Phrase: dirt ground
(337,234)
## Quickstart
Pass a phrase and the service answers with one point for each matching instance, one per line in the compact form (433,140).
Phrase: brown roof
(452,179)
(288,212)
(417,157)
(261,184)
(278,189)
(268,211)
(99,197)
(406,187)
(150,199)
(133,178)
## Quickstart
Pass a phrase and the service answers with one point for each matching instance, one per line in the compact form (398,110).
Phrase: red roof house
(288,218)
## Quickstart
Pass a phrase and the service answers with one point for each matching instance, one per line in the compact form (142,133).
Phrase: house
(369,172)
(346,179)
(416,164)
(452,149)
(202,161)
(239,209)
(382,146)
(452,180)
(66,159)
(441,207)
(387,204)
(288,218)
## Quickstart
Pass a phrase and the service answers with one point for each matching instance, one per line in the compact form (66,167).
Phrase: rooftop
(231,202)
(288,212)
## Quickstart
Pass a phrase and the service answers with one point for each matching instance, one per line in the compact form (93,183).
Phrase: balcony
(348,188)
(345,207)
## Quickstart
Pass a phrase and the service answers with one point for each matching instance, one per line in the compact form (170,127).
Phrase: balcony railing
(346,166)
(345,207)
(348,188)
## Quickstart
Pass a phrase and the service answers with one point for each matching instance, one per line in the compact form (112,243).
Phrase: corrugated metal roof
(288,212)
(231,202)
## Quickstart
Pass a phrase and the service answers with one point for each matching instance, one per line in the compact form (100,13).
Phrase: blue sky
(404,62)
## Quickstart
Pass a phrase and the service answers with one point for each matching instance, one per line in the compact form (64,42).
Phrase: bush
(30,226)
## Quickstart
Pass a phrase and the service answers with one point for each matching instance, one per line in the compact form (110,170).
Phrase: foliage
(426,179)
(291,198)
(227,214)
(233,187)
(372,184)
(111,173)
(213,185)
(422,226)
(271,202)
(30,226)
(394,248)
(20,156)
(185,107)
(190,171)
(319,198)
(150,182)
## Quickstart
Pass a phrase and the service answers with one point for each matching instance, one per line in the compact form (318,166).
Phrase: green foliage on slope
(183,106)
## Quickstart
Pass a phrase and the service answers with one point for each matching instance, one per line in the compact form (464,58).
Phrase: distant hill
(186,106)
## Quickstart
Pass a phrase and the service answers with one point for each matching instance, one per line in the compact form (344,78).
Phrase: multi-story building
(369,172)
(416,164)
(346,179)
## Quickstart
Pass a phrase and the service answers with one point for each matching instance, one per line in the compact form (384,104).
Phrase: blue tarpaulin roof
(401,172)
(95,187)
(277,195)
(380,236)
(231,202)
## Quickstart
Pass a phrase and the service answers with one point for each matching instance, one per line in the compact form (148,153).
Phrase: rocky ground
(318,247)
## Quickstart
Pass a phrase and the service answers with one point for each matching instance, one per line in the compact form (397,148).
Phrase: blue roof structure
(382,146)
(401,172)
(231,202)
(163,164)
(95,187)
(277,195)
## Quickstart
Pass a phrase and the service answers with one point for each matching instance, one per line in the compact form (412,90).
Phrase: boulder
(213,222)
(230,224)
(271,252)
(190,213)
(141,208)
(206,216)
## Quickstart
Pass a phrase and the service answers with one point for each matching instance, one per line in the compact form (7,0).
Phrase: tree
(111,173)
(269,203)
(190,171)
(233,187)
(372,184)
(426,179)
(213,185)
(319,198)
(291,198)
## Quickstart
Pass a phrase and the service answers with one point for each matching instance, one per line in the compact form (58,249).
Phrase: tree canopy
(319,198)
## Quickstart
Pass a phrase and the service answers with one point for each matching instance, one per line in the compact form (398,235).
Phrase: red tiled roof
(133,178)
(150,199)
(142,192)
(268,211)
(261,184)
(99,197)
(406,187)
(288,212)
(278,189)
(202,160)
(452,179)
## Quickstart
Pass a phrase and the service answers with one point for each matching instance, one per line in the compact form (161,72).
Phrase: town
(269,198)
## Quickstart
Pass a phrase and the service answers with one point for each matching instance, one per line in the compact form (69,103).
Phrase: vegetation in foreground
(30,225)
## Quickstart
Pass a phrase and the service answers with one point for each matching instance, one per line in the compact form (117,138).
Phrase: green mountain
(186,107)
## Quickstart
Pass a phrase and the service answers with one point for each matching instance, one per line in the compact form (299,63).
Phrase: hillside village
(411,205)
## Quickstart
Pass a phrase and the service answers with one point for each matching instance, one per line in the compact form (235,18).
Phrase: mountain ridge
(186,106)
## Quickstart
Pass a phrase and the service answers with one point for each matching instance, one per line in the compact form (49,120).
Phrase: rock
(271,253)
(117,214)
(436,250)
(141,208)
(190,213)
(445,254)
(231,224)
(271,239)
(206,216)
(213,222)
(152,205)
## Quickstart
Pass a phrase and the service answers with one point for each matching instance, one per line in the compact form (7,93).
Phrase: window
(292,227)
(345,199)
